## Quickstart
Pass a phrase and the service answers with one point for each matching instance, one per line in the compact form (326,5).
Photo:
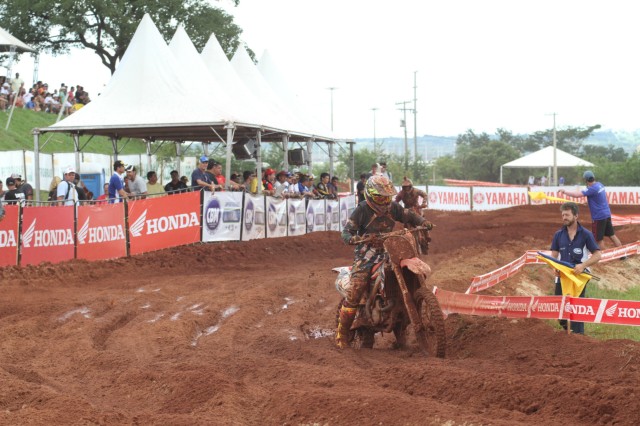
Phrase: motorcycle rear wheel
(432,340)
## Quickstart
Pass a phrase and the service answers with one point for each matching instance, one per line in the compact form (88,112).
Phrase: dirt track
(241,333)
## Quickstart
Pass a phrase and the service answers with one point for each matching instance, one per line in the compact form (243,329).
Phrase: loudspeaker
(297,157)
(244,149)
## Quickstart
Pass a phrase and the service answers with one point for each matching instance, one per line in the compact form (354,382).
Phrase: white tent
(9,43)
(544,159)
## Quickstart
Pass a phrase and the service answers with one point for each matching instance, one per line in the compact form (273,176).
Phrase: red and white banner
(47,234)
(625,220)
(491,198)
(158,223)
(449,198)
(616,195)
(276,217)
(101,232)
(601,311)
(9,236)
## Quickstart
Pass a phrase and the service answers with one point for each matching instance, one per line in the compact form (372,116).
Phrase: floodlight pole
(374,127)
(415,121)
(331,89)
(555,160)
(404,124)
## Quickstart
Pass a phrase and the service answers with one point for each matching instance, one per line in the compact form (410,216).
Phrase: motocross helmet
(378,193)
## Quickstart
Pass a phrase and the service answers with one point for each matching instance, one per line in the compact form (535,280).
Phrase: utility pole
(374,127)
(331,89)
(415,120)
(404,124)
(554,181)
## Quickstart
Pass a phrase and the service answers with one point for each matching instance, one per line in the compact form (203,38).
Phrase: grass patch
(19,136)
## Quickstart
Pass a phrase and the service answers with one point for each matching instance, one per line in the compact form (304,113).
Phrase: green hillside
(19,136)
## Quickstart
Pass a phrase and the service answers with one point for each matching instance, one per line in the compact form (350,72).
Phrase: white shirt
(62,192)
(138,186)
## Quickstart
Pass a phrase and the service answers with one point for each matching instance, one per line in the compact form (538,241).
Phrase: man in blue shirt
(199,177)
(596,194)
(116,183)
(571,244)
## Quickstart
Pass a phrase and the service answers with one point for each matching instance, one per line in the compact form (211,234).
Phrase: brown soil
(241,333)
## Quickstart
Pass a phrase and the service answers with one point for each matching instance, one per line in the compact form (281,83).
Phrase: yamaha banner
(221,216)
(315,216)
(296,217)
(276,217)
(253,225)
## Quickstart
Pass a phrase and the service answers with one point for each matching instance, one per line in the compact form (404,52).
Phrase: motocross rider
(376,214)
(409,196)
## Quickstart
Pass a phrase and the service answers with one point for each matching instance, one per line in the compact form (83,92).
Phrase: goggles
(381,199)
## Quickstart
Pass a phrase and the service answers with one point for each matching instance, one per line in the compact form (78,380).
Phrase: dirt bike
(397,295)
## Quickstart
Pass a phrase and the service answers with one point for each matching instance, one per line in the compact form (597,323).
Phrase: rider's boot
(345,319)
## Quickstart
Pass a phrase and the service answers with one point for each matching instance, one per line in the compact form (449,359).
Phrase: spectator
(293,191)
(12,196)
(81,188)
(103,198)
(304,187)
(543,181)
(116,183)
(360,187)
(200,179)
(185,180)
(2,191)
(532,180)
(176,185)
(572,243)
(66,192)
(596,194)
(249,178)
(137,185)
(28,99)
(4,96)
(321,187)
(333,186)
(561,181)
(153,187)
(23,187)
(281,186)
(410,197)
(269,182)
(374,170)
(211,166)
(383,170)
(53,188)
(16,83)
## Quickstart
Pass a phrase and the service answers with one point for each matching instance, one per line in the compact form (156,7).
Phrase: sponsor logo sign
(222,216)
(157,223)
(297,217)
(101,232)
(47,234)
(276,217)
(9,236)
(449,198)
(492,198)
(254,220)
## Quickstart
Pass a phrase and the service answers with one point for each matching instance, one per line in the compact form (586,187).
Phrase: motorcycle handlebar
(381,237)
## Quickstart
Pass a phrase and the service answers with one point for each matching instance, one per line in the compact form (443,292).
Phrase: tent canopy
(544,158)
(7,40)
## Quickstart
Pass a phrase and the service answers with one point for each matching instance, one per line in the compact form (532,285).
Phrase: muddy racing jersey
(410,198)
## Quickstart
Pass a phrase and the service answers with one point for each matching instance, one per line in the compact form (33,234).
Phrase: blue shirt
(597,199)
(575,251)
(115,184)
(199,174)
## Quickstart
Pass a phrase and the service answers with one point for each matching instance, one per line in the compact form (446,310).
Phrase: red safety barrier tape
(602,311)
(484,281)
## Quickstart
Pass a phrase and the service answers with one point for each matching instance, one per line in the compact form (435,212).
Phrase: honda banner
(158,223)
(494,198)
(47,234)
(276,217)
(253,226)
(296,217)
(315,216)
(221,216)
(9,236)
(101,231)
(449,198)
(333,215)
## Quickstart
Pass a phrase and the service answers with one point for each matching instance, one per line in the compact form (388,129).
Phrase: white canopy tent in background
(544,159)
(152,96)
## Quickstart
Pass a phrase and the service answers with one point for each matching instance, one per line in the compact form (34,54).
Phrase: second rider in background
(410,196)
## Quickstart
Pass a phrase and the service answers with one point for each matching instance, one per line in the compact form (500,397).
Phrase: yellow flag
(572,284)
(538,196)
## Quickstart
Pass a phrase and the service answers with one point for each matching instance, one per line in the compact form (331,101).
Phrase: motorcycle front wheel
(432,339)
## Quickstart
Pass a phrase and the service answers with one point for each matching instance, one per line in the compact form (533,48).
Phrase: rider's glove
(355,239)
(428,225)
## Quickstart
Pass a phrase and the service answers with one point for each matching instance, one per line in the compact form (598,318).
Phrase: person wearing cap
(66,192)
(176,185)
(281,186)
(200,179)
(269,182)
(137,185)
(410,196)
(12,196)
(116,183)
(596,194)
(23,187)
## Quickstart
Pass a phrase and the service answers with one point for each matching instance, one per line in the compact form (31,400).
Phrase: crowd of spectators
(40,97)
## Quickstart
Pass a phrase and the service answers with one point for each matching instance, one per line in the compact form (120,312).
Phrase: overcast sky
(480,65)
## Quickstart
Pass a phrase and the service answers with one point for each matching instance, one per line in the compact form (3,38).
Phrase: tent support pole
(227,173)
(76,149)
(500,174)
(114,143)
(310,156)
(36,161)
(205,148)
(331,158)
(178,157)
(259,160)
(148,141)
(285,145)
